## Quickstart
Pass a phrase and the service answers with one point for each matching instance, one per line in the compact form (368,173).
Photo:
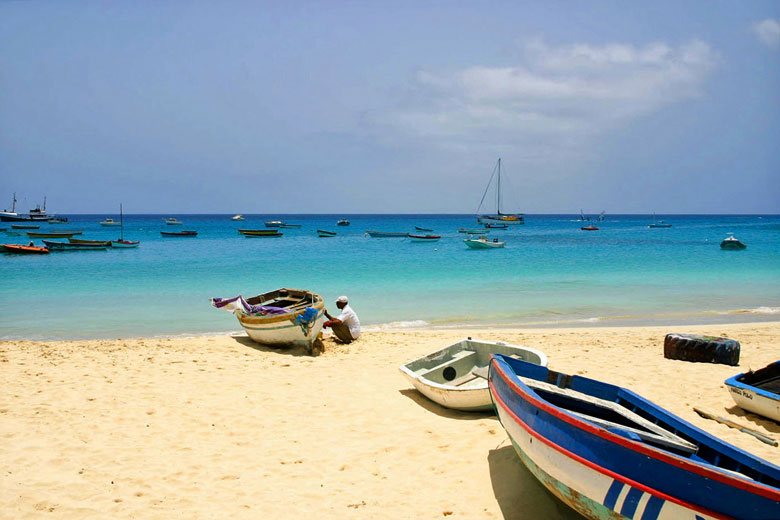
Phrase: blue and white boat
(610,454)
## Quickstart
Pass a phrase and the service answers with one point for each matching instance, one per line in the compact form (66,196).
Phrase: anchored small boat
(67,246)
(53,234)
(179,233)
(343,222)
(173,222)
(386,234)
(589,228)
(279,318)
(122,243)
(483,243)
(23,250)
(418,228)
(424,238)
(447,376)
(25,226)
(658,224)
(732,243)
(322,233)
(109,222)
(259,231)
(104,243)
(759,391)
(473,231)
(281,224)
(609,453)
(274,233)
(495,225)
(237,217)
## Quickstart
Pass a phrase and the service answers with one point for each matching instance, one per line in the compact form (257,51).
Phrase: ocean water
(549,273)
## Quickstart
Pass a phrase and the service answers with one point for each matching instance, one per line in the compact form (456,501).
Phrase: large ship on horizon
(36,214)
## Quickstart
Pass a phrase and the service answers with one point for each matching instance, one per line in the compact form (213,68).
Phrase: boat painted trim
(739,482)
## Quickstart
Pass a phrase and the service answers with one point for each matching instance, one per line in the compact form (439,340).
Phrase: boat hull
(602,473)
(445,376)
(386,234)
(482,244)
(283,330)
(23,250)
(124,244)
(760,397)
(325,234)
(428,238)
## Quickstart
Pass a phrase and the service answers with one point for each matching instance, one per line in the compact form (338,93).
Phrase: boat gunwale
(701,469)
(319,304)
(589,463)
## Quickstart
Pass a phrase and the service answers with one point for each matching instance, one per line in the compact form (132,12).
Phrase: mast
(121,225)
(498,189)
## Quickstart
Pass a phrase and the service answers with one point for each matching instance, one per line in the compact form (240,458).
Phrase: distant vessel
(258,231)
(732,243)
(53,234)
(238,217)
(498,216)
(122,243)
(496,225)
(424,238)
(386,234)
(589,227)
(322,233)
(179,233)
(110,222)
(36,214)
(418,228)
(473,231)
(483,243)
(343,222)
(659,224)
(173,222)
(68,246)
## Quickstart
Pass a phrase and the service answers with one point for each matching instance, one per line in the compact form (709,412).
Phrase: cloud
(768,32)
(554,97)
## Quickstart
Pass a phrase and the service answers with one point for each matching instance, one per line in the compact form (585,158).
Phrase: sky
(390,107)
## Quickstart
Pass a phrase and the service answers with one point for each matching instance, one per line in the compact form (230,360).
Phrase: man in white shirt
(347,326)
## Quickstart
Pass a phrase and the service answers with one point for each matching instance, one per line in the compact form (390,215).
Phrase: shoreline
(206,426)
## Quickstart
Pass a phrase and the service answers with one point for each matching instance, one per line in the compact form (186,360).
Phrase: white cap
(341,299)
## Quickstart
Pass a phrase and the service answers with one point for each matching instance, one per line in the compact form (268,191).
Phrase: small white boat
(447,376)
(173,222)
(110,222)
(280,318)
(483,243)
(759,391)
(238,217)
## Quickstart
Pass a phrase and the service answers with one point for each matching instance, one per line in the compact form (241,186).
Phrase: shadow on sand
(297,351)
(439,410)
(753,419)
(519,495)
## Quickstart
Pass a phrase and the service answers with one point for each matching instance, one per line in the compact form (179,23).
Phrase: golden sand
(218,427)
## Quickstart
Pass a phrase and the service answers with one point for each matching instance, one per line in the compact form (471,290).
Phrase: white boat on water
(237,217)
(483,243)
(173,222)
(280,318)
(109,222)
(447,376)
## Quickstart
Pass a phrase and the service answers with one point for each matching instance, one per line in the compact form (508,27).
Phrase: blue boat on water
(611,454)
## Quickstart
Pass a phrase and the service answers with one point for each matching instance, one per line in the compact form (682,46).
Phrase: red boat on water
(424,238)
(179,233)
(589,228)
(23,250)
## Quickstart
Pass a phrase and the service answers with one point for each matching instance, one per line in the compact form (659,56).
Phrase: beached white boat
(483,243)
(447,375)
(280,318)
(759,391)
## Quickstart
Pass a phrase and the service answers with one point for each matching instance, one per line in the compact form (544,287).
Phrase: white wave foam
(412,324)
(595,319)
(764,310)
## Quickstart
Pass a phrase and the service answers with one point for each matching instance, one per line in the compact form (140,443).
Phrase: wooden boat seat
(461,361)
(643,430)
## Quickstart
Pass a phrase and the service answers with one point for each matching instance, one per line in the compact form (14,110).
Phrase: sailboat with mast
(498,216)
(122,243)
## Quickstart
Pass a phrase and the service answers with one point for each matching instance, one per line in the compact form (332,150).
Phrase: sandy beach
(219,427)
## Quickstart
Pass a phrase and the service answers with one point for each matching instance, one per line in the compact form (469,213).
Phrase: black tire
(703,349)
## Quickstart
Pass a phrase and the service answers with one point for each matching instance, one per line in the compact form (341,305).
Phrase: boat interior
(767,378)
(286,299)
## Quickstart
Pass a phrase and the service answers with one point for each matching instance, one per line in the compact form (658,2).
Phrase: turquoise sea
(550,273)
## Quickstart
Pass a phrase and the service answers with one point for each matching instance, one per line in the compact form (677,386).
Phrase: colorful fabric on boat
(306,319)
(238,303)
